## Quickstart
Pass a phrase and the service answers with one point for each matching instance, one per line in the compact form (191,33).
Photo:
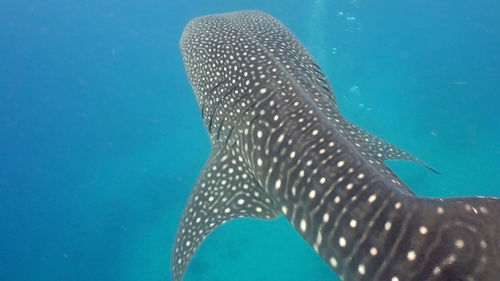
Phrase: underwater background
(101,139)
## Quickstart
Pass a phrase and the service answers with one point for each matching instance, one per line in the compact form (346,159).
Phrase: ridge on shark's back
(281,146)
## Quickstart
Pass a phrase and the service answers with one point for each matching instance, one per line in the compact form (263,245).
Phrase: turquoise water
(101,139)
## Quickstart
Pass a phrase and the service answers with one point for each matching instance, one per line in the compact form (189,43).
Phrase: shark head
(280,146)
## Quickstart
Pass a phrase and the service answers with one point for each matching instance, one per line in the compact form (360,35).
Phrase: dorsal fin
(225,190)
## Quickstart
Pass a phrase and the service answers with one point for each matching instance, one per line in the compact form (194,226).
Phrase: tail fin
(459,239)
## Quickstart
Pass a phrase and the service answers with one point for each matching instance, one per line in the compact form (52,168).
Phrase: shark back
(222,53)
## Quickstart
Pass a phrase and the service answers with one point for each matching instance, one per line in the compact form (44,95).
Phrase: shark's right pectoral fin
(384,150)
(224,190)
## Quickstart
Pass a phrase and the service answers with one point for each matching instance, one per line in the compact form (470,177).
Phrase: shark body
(281,146)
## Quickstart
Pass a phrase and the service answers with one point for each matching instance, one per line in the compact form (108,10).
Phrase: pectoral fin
(225,190)
(384,150)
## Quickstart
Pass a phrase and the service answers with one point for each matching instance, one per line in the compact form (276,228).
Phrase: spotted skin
(281,146)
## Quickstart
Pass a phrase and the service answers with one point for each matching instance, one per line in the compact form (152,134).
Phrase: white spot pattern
(233,79)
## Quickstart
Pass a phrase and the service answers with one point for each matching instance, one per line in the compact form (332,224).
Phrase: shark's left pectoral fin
(225,190)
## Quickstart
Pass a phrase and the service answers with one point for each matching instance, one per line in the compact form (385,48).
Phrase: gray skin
(281,146)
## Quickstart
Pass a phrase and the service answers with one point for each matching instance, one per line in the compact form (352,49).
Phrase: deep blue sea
(101,139)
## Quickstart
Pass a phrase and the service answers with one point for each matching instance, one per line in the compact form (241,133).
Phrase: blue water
(101,139)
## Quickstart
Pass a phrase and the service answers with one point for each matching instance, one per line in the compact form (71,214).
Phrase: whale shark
(280,146)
